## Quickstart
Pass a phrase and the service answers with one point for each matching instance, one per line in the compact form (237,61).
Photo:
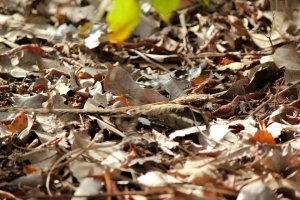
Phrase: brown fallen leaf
(237,88)
(261,75)
(228,109)
(120,82)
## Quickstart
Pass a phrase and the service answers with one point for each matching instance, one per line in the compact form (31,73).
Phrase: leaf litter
(206,107)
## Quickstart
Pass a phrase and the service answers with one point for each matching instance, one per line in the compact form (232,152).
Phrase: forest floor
(206,107)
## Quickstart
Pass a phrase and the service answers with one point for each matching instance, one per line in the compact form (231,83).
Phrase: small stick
(129,110)
(149,60)
(217,54)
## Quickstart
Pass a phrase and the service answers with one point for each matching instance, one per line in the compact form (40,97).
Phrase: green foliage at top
(204,3)
(122,19)
(164,7)
(125,15)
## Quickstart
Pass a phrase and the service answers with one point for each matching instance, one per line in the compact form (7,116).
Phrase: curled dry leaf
(18,124)
(263,136)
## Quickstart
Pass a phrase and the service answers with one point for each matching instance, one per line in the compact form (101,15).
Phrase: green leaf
(204,3)
(122,19)
(165,7)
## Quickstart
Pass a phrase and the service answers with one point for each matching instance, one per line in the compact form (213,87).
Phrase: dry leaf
(263,136)
(18,124)
(88,187)
(256,190)
(120,82)
(286,56)
(29,169)
(234,66)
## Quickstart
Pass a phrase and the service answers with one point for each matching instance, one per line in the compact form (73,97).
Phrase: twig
(59,163)
(4,88)
(121,111)
(7,195)
(149,60)
(182,15)
(149,192)
(8,43)
(210,40)
(217,54)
